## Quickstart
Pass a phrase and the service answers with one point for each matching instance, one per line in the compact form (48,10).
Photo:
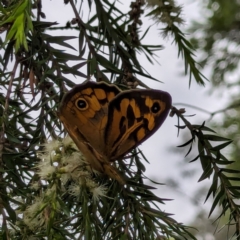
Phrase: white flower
(51,146)
(35,185)
(67,141)
(45,157)
(65,177)
(74,189)
(31,218)
(97,191)
(80,176)
(46,170)
(76,158)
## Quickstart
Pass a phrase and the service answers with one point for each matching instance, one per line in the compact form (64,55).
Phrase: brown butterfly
(106,123)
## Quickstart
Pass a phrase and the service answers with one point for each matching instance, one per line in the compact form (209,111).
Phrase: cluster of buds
(135,14)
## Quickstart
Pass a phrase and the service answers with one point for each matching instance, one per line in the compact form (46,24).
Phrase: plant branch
(2,142)
(83,29)
(2,133)
(212,114)
(225,185)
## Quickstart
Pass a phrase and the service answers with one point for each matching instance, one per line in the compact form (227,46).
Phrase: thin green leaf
(221,146)
(186,143)
(227,170)
(206,174)
(216,201)
(215,138)
(193,160)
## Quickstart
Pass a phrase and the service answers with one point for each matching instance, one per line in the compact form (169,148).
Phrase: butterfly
(106,123)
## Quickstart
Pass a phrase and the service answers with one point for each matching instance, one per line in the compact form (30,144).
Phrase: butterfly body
(106,123)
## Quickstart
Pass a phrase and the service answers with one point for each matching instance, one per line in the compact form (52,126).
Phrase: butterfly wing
(84,113)
(106,124)
(133,116)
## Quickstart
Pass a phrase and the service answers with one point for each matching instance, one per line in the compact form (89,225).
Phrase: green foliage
(169,14)
(41,204)
(17,16)
(218,39)
(220,31)
(75,204)
(215,165)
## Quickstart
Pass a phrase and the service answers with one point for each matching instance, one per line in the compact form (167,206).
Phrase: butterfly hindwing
(133,116)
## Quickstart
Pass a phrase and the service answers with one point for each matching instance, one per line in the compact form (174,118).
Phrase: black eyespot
(81,104)
(155,107)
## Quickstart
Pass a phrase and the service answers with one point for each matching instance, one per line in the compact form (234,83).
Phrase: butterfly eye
(81,104)
(155,107)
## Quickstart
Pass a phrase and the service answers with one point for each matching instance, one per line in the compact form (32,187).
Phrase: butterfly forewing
(133,116)
(84,112)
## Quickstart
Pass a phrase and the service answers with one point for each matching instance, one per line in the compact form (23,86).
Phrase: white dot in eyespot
(155,107)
